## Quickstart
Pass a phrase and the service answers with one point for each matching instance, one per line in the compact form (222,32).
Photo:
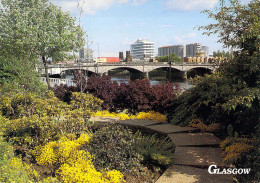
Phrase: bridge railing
(58,81)
(77,65)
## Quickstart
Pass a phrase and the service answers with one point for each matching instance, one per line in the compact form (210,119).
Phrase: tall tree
(37,30)
(238,27)
(170,58)
(231,96)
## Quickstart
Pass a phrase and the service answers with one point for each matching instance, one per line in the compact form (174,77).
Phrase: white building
(142,49)
(191,49)
(174,49)
(86,55)
(205,49)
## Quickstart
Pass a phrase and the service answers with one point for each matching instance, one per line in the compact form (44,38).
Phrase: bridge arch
(132,73)
(200,71)
(73,71)
(165,68)
(130,69)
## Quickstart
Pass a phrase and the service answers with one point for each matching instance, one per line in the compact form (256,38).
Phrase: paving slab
(168,128)
(194,139)
(138,122)
(185,174)
(104,119)
(198,156)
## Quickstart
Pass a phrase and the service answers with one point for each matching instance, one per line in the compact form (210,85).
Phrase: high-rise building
(174,49)
(128,57)
(205,49)
(142,49)
(191,49)
(86,55)
(121,57)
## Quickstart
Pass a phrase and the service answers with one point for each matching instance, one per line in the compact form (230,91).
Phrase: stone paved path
(194,152)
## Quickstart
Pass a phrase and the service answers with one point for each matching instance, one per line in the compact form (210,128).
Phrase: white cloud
(88,6)
(139,2)
(91,6)
(185,39)
(190,4)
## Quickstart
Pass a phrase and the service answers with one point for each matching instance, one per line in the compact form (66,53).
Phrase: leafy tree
(223,53)
(34,30)
(231,96)
(170,58)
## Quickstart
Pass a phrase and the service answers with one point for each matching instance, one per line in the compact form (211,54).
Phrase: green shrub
(32,131)
(158,151)
(113,148)
(11,168)
(243,153)
(209,101)
(19,105)
(4,124)
(34,120)
(89,105)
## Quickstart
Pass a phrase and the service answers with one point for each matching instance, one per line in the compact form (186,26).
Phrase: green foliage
(171,58)
(208,101)
(113,148)
(4,124)
(33,29)
(222,54)
(19,75)
(87,102)
(33,120)
(236,23)
(18,105)
(231,97)
(241,153)
(154,150)
(12,169)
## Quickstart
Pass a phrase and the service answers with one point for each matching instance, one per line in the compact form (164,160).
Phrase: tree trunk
(46,71)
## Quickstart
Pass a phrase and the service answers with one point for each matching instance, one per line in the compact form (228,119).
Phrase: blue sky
(115,24)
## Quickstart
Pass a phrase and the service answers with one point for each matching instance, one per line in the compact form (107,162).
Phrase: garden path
(194,153)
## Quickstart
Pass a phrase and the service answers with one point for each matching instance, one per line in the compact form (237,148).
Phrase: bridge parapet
(101,68)
(57,81)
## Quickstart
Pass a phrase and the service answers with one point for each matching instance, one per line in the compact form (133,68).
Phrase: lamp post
(170,63)
(170,71)
(98,51)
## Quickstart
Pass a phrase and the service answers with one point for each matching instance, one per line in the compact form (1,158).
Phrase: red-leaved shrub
(138,95)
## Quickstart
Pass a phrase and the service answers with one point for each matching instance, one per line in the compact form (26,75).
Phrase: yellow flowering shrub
(197,123)
(50,180)
(114,176)
(29,104)
(151,115)
(237,148)
(90,103)
(121,116)
(4,124)
(85,171)
(12,169)
(62,151)
(75,165)
(48,155)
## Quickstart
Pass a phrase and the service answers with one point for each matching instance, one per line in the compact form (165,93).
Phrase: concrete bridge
(139,67)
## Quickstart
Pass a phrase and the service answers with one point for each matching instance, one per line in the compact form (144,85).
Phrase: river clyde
(183,83)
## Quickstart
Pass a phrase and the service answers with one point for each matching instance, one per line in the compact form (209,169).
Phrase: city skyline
(113,25)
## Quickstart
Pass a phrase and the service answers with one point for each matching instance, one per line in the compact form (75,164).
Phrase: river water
(184,84)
